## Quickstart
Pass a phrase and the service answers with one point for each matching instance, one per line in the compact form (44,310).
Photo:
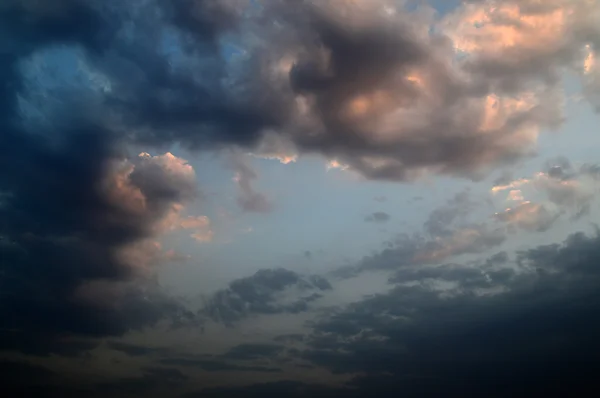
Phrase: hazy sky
(337,198)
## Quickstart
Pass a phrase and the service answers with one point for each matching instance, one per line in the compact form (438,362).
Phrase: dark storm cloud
(264,293)
(536,321)
(378,217)
(68,236)
(78,218)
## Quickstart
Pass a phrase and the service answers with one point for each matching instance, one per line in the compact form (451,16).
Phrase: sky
(336,198)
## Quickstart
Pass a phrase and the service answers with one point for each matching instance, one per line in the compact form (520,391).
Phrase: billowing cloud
(388,92)
(81,227)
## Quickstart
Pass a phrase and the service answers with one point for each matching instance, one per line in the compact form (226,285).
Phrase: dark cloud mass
(461,341)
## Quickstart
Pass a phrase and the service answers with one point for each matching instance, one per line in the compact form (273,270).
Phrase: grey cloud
(378,217)
(539,321)
(261,294)
(319,282)
(447,232)
(497,259)
(248,198)
(559,167)
(442,220)
(467,277)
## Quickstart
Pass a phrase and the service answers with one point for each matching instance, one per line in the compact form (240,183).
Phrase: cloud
(248,198)
(530,311)
(269,291)
(369,85)
(378,217)
(529,216)
(565,189)
(390,93)
(448,231)
(81,224)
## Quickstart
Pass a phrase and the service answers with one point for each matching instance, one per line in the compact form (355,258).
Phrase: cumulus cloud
(81,227)
(388,92)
